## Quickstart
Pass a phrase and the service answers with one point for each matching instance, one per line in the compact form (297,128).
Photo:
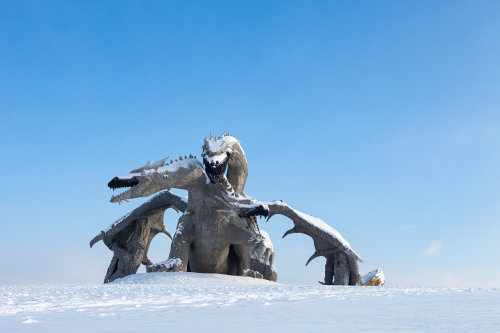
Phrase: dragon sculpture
(218,230)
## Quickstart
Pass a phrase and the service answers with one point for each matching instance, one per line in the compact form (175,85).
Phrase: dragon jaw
(215,166)
(139,185)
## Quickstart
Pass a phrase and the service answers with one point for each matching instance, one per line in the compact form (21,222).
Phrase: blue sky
(382,118)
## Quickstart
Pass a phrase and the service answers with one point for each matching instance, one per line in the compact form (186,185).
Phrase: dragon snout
(120,182)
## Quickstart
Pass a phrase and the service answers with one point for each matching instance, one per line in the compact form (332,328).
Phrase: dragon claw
(260,210)
(253,274)
(269,216)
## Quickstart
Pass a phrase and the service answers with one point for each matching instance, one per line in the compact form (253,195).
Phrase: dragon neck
(237,169)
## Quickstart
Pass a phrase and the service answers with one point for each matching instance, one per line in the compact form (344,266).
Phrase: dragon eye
(228,153)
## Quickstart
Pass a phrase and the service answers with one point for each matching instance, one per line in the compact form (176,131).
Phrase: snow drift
(187,302)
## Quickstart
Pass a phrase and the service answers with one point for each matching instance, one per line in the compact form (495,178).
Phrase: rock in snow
(189,302)
(373,278)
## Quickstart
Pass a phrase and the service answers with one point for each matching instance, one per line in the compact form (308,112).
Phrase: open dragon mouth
(215,171)
(120,183)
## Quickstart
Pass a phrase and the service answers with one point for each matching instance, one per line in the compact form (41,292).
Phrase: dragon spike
(180,158)
(150,165)
(158,164)
(185,157)
(291,231)
(314,256)
(171,161)
(211,135)
(224,134)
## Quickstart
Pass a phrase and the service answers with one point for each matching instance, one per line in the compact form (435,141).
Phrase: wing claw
(314,256)
(291,231)
(165,231)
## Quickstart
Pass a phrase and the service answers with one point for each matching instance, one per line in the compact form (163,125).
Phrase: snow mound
(187,279)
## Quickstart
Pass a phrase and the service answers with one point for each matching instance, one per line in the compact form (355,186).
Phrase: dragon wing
(328,242)
(158,203)
(326,239)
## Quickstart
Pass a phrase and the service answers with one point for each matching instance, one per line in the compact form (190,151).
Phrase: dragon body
(218,230)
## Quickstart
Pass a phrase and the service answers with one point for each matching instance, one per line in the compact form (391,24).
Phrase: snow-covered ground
(188,302)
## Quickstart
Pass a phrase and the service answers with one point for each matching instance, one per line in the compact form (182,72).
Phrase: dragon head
(221,153)
(139,182)
(154,177)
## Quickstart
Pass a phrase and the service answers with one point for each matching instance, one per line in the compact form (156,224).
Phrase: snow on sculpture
(218,230)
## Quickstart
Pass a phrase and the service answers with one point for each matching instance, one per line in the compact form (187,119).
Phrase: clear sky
(380,117)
